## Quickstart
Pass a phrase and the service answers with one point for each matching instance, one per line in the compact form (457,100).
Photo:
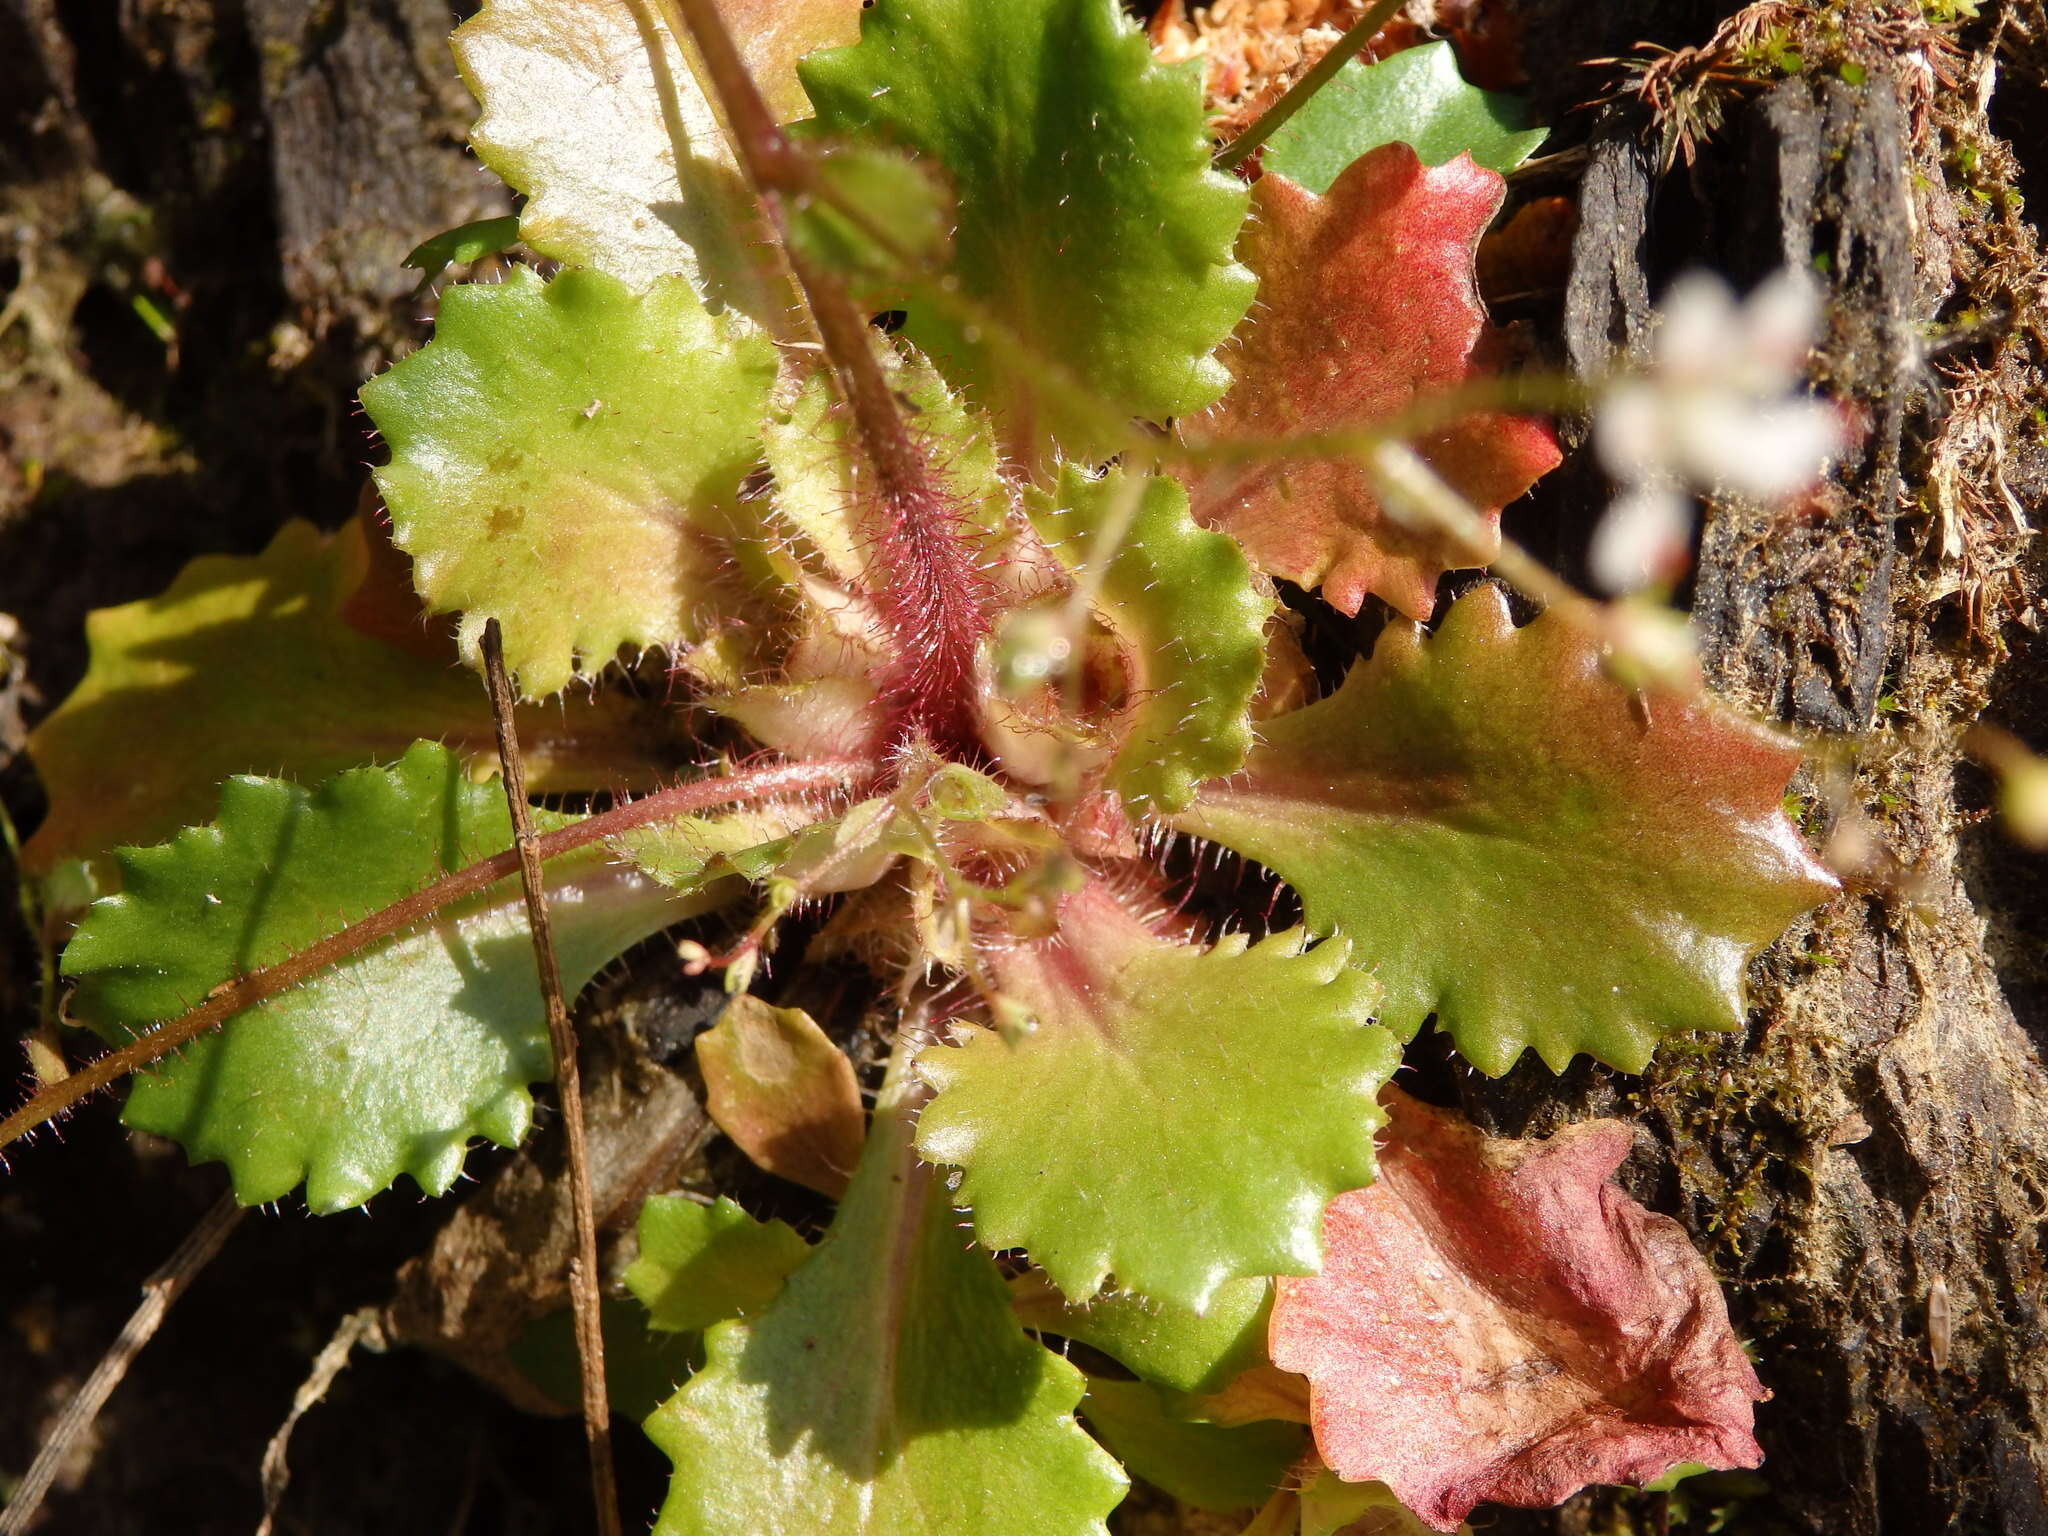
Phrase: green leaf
(463,244)
(642,1364)
(593,111)
(387,1063)
(689,852)
(211,677)
(564,458)
(1522,846)
(250,665)
(1200,1464)
(1675,1476)
(1175,1346)
(828,851)
(1088,219)
(887,191)
(1188,620)
(1414,97)
(888,1391)
(1175,1116)
(702,1264)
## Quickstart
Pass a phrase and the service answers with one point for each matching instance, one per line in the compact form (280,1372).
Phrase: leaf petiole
(828,776)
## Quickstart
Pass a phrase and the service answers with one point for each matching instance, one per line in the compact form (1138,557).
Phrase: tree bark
(1868,1168)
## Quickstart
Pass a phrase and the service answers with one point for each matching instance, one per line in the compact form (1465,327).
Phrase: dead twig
(597,1420)
(159,1291)
(1346,48)
(364,1327)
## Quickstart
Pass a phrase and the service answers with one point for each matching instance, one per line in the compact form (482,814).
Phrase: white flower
(1644,537)
(1721,406)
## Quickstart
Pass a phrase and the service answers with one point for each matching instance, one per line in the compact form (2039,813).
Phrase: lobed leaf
(564,458)
(249,665)
(1175,1116)
(888,1391)
(593,111)
(703,1264)
(1522,846)
(1545,1330)
(387,1063)
(1367,305)
(1088,220)
(1187,619)
(1415,97)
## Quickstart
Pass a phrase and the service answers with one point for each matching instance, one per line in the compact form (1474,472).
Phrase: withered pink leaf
(1495,1320)
(1367,303)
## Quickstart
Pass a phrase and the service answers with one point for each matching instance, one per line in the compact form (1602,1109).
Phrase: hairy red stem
(931,596)
(243,992)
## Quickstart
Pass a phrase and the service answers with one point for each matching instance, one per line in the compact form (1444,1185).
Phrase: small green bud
(958,793)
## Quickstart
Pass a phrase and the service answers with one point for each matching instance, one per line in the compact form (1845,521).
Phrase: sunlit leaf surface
(1087,220)
(889,1390)
(1176,1116)
(1495,1320)
(1367,306)
(593,111)
(1414,97)
(1518,844)
(250,665)
(564,458)
(389,1062)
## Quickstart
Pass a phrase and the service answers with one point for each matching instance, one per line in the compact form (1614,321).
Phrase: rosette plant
(976,619)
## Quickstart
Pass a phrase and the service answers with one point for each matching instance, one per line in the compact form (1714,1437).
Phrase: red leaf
(1367,303)
(1495,1320)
